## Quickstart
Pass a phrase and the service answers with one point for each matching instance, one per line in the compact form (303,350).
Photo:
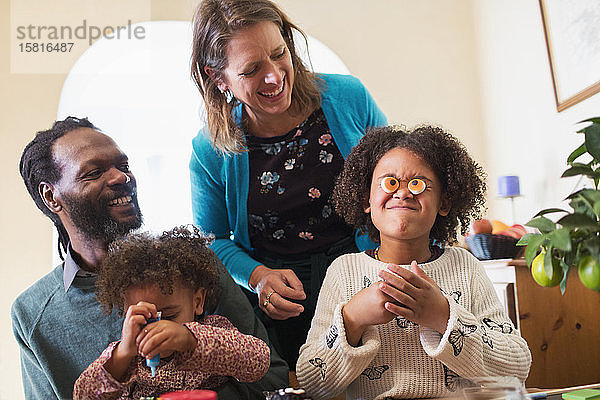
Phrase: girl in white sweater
(412,318)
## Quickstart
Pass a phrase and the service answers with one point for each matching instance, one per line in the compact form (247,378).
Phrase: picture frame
(571,30)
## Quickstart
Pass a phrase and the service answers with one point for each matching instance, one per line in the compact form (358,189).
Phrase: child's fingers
(414,267)
(145,331)
(399,310)
(137,309)
(152,342)
(148,306)
(399,296)
(410,276)
(141,335)
(399,283)
(135,321)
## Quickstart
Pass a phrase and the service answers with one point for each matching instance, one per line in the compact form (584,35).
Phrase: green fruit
(539,274)
(589,272)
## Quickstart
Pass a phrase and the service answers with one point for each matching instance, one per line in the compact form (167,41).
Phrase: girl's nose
(402,192)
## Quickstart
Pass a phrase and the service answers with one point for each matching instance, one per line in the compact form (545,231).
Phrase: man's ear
(46,191)
(216,77)
(199,298)
(444,206)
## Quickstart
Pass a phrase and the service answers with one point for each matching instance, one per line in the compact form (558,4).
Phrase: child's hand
(365,308)
(417,297)
(135,319)
(126,350)
(164,337)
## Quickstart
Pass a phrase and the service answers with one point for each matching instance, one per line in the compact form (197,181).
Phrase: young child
(175,274)
(411,318)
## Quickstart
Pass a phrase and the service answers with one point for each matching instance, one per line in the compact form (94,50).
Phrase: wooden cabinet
(563,332)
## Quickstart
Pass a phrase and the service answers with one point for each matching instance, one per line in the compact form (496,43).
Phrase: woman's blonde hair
(216,22)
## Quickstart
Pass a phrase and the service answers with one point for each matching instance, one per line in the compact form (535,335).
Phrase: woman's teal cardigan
(220,182)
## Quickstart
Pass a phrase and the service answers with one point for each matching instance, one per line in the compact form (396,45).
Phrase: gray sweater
(61,333)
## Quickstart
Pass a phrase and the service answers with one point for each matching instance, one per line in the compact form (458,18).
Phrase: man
(81,180)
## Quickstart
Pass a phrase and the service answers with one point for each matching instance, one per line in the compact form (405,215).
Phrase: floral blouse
(222,351)
(291,181)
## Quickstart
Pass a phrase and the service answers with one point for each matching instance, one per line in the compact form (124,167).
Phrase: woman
(263,170)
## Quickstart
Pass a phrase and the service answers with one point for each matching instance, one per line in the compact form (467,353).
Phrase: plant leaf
(524,241)
(578,193)
(532,247)
(561,239)
(592,245)
(595,175)
(580,205)
(578,220)
(548,262)
(576,153)
(592,140)
(597,208)
(549,211)
(563,283)
(543,224)
(591,195)
(595,120)
(577,170)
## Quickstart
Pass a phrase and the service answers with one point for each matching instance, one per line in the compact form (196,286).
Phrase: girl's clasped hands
(407,293)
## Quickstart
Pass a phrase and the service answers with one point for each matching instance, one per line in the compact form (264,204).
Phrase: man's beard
(95,221)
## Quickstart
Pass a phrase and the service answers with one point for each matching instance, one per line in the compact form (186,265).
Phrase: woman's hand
(416,296)
(164,337)
(274,287)
(126,350)
(364,309)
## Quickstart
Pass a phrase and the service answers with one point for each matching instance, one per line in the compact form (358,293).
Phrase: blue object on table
(154,361)
(538,395)
(508,186)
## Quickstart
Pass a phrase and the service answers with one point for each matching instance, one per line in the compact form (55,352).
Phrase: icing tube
(154,361)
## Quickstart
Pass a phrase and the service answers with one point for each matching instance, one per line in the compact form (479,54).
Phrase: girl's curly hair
(462,179)
(180,255)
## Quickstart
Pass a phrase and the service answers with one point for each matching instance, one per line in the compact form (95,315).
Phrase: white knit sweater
(401,359)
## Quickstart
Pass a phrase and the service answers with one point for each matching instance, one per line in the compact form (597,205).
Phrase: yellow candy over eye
(390,184)
(416,186)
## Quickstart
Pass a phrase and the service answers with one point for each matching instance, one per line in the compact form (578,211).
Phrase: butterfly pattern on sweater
(457,336)
(453,381)
(404,323)
(485,338)
(375,372)
(366,282)
(454,295)
(331,336)
(504,327)
(319,363)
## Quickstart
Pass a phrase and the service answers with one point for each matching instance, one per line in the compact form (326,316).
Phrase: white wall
(523,132)
(418,58)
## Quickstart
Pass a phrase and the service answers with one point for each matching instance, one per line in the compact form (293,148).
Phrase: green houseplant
(573,241)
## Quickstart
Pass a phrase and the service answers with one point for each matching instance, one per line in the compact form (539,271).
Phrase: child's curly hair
(180,255)
(462,179)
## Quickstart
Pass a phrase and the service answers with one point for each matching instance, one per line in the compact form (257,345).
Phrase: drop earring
(228,95)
